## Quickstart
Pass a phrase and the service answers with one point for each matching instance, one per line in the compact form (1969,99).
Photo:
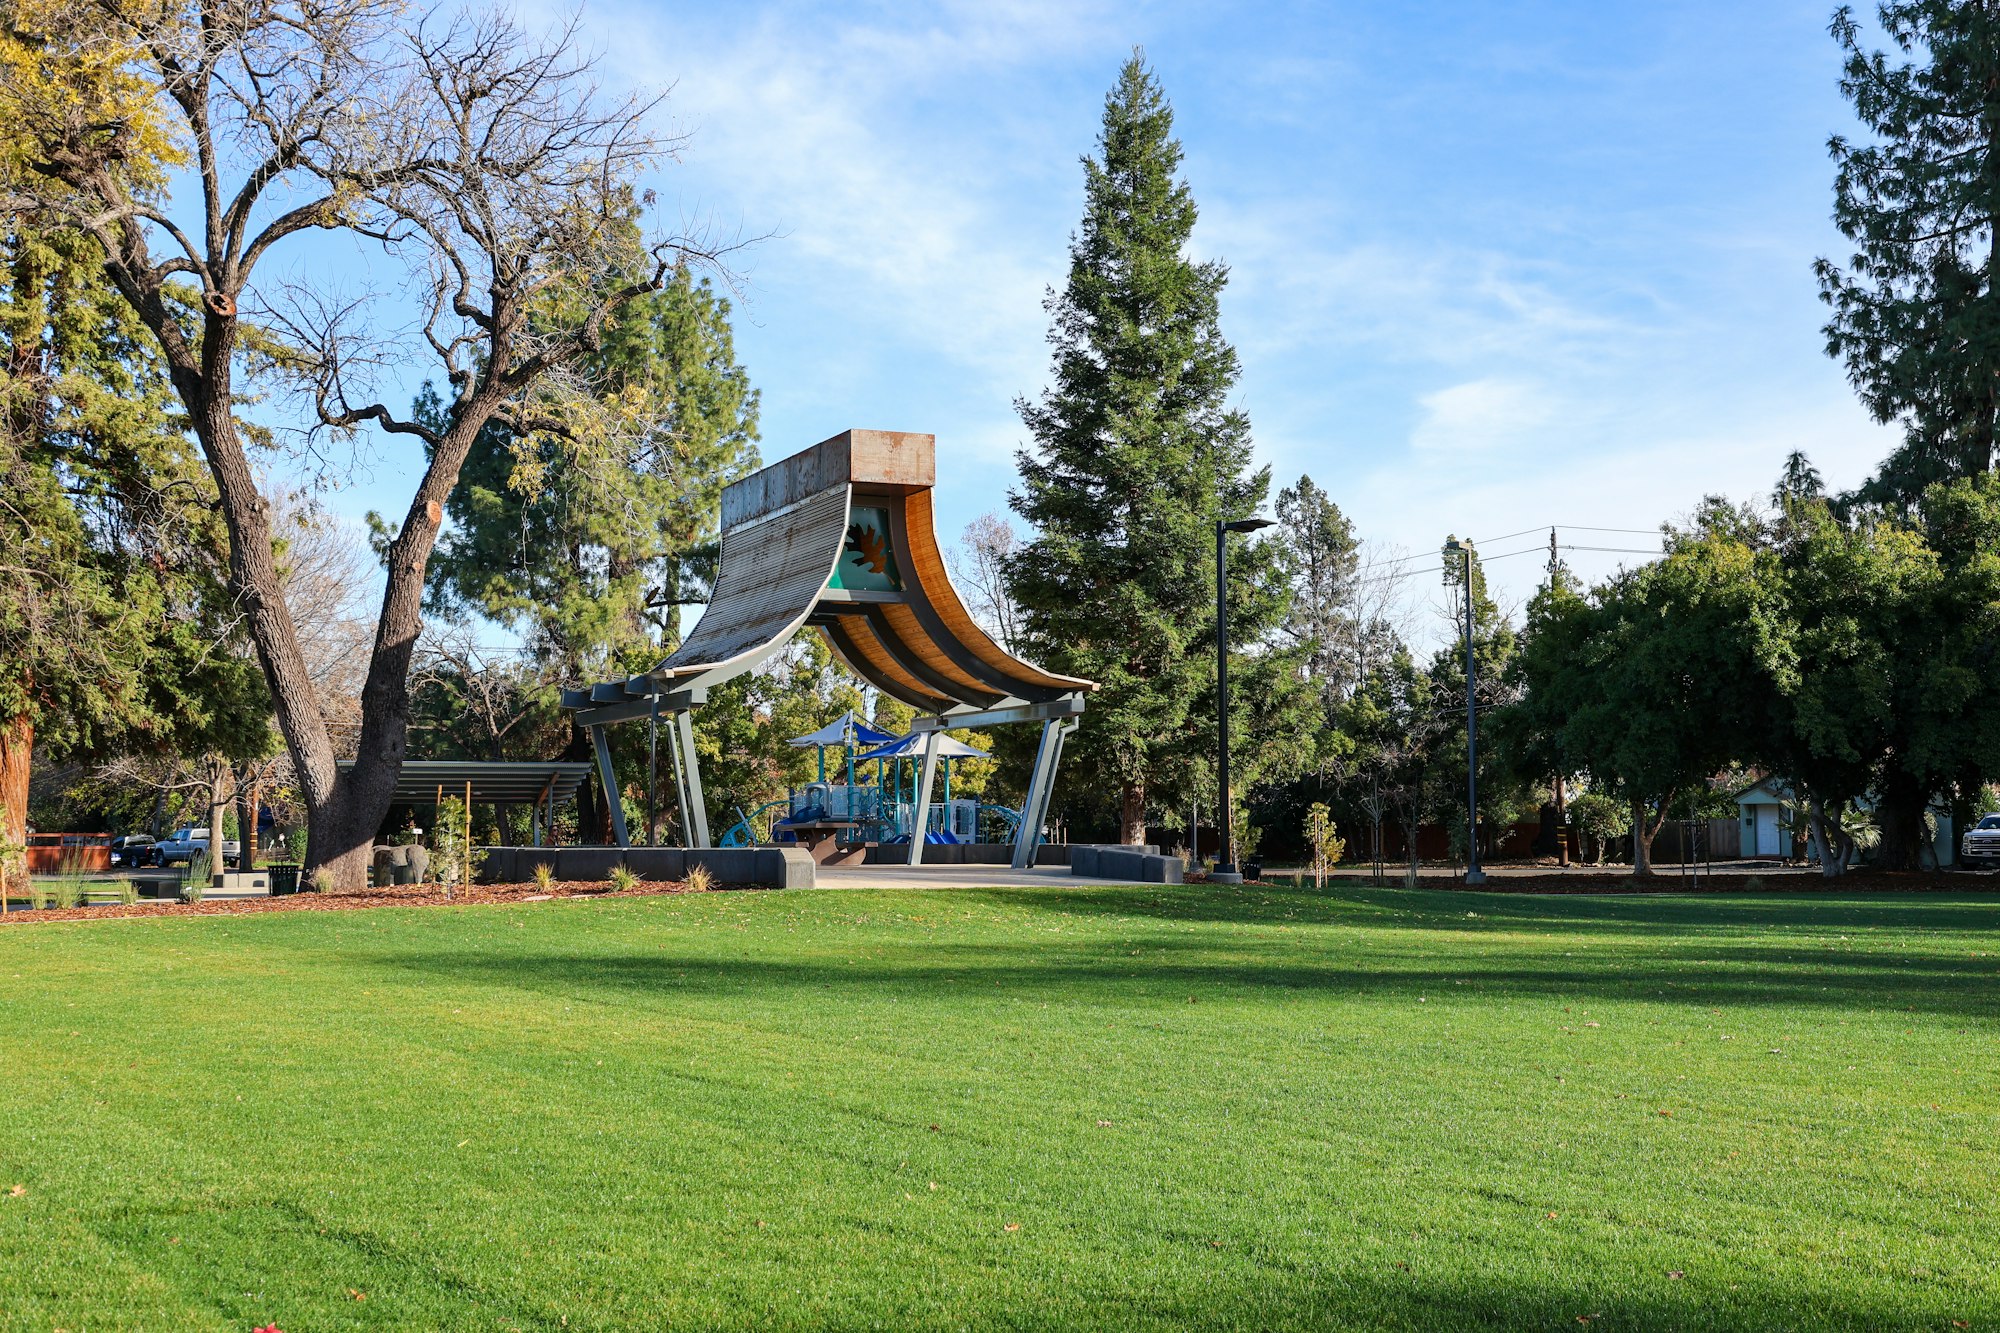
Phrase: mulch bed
(402,895)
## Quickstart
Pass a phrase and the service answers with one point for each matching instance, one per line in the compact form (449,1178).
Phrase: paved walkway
(947,877)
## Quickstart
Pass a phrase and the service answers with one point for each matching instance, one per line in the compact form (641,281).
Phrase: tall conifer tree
(1916,310)
(1136,454)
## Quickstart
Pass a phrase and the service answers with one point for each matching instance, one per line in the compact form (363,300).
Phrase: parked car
(131,850)
(1979,849)
(181,846)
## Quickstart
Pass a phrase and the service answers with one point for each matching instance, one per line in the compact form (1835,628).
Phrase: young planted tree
(1916,309)
(476,159)
(1136,455)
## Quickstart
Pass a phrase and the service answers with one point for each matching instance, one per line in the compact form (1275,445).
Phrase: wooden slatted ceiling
(854,641)
(930,572)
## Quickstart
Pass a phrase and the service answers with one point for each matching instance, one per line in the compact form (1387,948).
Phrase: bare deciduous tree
(979,565)
(480,160)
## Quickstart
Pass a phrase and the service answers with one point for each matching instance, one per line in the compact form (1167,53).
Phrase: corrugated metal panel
(768,576)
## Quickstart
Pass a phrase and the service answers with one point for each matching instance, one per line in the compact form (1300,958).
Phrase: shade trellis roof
(840,537)
(504,782)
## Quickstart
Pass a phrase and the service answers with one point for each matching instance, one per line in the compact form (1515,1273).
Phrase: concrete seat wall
(764,867)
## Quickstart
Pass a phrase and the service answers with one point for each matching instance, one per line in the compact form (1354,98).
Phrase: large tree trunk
(1642,840)
(1900,815)
(218,856)
(343,811)
(1832,860)
(17,745)
(1132,815)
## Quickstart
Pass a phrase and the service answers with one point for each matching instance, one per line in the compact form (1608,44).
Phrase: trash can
(284,877)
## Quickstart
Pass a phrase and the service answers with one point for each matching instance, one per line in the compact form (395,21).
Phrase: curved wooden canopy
(840,536)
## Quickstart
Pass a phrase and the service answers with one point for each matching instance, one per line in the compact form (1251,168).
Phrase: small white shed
(1762,821)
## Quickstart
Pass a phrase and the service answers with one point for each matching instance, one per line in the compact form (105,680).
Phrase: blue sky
(1495,265)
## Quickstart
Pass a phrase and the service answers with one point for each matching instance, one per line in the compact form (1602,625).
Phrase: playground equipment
(840,537)
(878,808)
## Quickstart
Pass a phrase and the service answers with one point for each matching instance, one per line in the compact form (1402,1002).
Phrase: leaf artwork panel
(867,560)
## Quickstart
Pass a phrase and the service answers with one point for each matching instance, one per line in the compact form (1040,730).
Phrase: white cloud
(1478,417)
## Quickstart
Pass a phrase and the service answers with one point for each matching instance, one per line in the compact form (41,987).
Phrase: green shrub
(322,880)
(68,892)
(545,876)
(622,878)
(699,880)
(128,892)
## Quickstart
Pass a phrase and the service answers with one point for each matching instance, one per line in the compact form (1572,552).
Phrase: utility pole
(1562,825)
(1473,874)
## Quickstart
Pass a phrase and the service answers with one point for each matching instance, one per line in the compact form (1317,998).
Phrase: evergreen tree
(1136,455)
(588,543)
(1324,562)
(113,611)
(1916,311)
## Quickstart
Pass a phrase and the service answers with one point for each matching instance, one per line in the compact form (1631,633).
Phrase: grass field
(1017,1109)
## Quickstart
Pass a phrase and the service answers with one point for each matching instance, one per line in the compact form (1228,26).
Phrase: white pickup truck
(182,844)
(1979,849)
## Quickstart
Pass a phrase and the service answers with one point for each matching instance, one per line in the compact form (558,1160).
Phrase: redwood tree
(1137,453)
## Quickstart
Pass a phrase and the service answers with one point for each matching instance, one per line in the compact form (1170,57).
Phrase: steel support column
(920,824)
(614,805)
(1041,779)
(697,809)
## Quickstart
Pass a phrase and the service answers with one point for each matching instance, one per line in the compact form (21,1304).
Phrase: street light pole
(1225,871)
(1473,874)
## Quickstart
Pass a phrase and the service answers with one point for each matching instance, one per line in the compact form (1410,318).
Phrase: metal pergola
(539,785)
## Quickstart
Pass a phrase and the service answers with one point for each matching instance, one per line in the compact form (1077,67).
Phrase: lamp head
(1245,525)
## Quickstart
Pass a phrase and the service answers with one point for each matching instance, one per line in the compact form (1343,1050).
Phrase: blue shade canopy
(836,733)
(913,744)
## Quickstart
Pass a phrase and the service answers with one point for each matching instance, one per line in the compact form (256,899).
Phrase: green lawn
(1021,1109)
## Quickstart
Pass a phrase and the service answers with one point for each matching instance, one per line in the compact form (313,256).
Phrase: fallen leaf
(1675,1273)
(1400,1264)
(1552,1217)
(17,1191)
(1960,1323)
(935,1130)
(1104,1124)
(933,1184)
(356,1294)
(1215,1245)
(1668,1114)
(1013,1226)
(1593,1025)
(760,1222)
